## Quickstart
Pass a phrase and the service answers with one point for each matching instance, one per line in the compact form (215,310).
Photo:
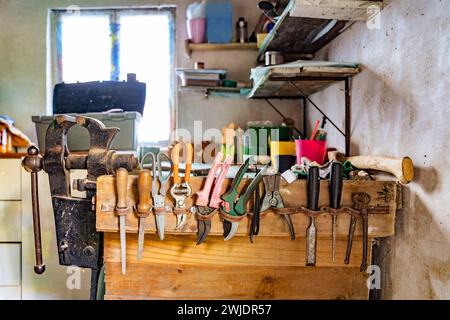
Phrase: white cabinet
(10,183)
(17,277)
(10,293)
(10,221)
(10,264)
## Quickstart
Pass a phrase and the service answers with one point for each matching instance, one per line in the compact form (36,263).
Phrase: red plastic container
(314,150)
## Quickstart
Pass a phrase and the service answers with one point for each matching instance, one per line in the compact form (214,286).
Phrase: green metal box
(78,137)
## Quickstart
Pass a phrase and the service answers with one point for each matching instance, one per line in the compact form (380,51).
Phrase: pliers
(204,207)
(181,190)
(273,199)
(234,206)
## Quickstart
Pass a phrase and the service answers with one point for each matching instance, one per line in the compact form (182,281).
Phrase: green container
(78,137)
(257,139)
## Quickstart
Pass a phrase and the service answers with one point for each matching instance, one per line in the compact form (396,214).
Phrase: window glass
(143,47)
(86,48)
(145,51)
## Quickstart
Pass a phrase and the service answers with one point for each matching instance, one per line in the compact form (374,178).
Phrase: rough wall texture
(401,106)
(23,65)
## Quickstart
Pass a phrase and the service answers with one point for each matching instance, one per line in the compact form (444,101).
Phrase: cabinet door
(10,293)
(10,174)
(10,266)
(10,221)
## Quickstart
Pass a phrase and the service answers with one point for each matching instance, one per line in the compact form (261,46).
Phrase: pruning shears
(180,191)
(234,206)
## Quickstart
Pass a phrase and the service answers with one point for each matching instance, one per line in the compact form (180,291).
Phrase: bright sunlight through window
(145,49)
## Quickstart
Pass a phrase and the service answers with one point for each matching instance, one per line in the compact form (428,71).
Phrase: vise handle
(33,164)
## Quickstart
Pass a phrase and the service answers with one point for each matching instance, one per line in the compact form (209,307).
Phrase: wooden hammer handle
(402,168)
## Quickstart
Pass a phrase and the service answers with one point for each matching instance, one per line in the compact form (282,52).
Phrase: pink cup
(314,150)
(196,30)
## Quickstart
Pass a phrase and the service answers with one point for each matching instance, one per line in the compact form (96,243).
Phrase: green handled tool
(238,208)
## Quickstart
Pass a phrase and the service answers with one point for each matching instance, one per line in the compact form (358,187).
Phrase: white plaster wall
(23,65)
(401,106)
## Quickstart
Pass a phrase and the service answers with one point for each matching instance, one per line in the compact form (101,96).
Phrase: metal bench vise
(79,244)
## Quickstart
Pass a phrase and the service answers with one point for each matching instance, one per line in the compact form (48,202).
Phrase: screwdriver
(144,206)
(122,209)
(313,188)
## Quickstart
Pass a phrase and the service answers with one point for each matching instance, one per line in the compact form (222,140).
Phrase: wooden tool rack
(272,267)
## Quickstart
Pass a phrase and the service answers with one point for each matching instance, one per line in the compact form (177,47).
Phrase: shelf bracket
(346,133)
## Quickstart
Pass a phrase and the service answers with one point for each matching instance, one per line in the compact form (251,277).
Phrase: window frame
(54,52)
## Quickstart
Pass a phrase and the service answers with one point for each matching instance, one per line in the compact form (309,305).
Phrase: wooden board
(272,267)
(351,10)
(189,47)
(383,194)
(264,251)
(268,269)
(285,81)
(222,46)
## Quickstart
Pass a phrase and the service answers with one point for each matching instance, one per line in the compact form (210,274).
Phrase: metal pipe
(305,122)
(39,267)
(347,117)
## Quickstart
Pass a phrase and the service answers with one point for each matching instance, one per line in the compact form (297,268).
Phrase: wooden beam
(264,251)
(270,268)
(163,281)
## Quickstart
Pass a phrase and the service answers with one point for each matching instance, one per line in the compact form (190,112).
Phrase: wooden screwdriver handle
(144,189)
(122,188)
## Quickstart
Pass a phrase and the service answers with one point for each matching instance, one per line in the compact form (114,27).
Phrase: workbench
(272,267)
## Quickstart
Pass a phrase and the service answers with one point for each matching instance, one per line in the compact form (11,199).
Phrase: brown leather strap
(143,214)
(343,210)
(297,210)
(180,211)
(122,211)
(159,211)
(231,218)
(261,214)
(206,217)
(289,211)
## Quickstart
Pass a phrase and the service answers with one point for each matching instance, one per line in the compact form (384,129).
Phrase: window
(93,45)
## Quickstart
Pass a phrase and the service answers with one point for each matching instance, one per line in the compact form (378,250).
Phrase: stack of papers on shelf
(201,77)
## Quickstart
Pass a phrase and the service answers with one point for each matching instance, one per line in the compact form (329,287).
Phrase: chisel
(144,206)
(313,189)
(335,200)
(122,209)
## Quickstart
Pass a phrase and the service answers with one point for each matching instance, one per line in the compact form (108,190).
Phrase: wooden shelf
(349,10)
(222,46)
(190,47)
(285,81)
(305,27)
(230,92)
